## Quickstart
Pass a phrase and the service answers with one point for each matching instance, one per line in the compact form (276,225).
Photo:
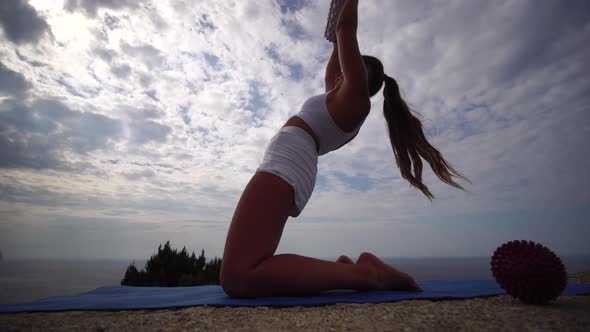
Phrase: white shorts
(291,155)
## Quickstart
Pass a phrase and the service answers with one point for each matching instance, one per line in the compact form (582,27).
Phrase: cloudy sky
(124,124)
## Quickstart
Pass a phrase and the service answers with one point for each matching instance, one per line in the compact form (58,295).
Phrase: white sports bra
(315,113)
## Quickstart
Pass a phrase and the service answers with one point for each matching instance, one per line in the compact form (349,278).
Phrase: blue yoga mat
(136,298)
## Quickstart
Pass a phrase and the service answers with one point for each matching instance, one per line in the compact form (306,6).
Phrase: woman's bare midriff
(295,121)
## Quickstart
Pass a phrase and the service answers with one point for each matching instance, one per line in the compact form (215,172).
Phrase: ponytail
(409,143)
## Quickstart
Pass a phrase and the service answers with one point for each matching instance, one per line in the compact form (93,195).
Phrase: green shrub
(170,268)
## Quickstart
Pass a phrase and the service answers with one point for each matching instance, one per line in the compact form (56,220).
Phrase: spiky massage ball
(529,271)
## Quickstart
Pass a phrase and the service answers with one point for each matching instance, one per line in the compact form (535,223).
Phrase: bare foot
(344,259)
(388,277)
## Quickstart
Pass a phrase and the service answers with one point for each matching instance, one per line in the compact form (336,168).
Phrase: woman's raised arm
(353,68)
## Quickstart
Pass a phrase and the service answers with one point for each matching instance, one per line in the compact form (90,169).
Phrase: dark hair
(406,133)
(376,78)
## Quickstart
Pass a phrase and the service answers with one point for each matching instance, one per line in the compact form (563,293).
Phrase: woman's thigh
(258,221)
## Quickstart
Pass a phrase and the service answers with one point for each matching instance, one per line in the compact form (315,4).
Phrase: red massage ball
(529,271)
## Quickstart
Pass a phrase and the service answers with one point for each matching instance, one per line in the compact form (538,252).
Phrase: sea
(24,281)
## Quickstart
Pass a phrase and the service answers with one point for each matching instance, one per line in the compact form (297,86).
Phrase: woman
(284,181)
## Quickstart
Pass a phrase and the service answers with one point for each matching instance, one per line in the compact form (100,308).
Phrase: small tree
(133,276)
(212,271)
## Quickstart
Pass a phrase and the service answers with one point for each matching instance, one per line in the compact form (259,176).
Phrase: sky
(125,124)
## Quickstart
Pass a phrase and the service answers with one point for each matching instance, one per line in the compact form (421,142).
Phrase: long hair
(406,133)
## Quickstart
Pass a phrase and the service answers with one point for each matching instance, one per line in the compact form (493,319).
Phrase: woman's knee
(235,281)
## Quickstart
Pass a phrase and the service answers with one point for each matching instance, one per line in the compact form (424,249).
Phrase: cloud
(105,54)
(542,37)
(33,153)
(293,70)
(205,24)
(38,136)
(91,7)
(139,175)
(174,116)
(111,22)
(12,83)
(290,5)
(32,63)
(291,18)
(148,54)
(144,129)
(149,131)
(21,23)
(121,71)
